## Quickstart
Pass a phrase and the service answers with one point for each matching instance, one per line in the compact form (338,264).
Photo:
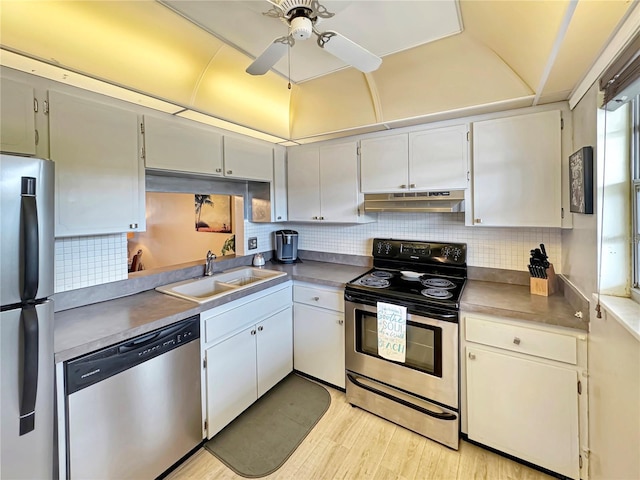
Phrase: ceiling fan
(302,16)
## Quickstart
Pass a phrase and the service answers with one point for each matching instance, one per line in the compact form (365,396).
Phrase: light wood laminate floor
(349,443)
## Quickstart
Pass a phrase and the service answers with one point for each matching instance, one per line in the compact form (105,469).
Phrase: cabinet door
(231,379)
(318,343)
(516,171)
(274,349)
(279,184)
(339,183)
(438,158)
(384,164)
(303,183)
(248,160)
(99,176)
(18,125)
(525,408)
(175,144)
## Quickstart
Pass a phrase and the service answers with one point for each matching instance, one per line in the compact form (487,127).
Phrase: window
(635,188)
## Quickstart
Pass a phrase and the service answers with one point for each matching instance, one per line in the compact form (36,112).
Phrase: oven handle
(438,415)
(357,303)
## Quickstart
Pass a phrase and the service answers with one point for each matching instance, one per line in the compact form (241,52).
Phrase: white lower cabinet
(247,349)
(318,333)
(523,392)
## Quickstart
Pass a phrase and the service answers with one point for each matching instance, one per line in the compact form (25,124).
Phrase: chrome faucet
(208,268)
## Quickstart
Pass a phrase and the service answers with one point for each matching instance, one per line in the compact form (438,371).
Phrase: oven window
(424,343)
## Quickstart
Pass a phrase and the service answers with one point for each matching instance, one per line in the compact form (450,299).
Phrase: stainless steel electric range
(421,392)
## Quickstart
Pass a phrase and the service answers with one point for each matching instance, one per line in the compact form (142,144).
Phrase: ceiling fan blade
(267,59)
(349,51)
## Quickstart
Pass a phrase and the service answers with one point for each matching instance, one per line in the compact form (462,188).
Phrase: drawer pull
(472,356)
(516,340)
(316,298)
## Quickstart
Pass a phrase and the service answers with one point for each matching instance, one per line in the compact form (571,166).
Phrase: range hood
(419,202)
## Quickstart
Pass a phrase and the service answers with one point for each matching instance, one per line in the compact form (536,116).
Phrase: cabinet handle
(340,322)
(218,170)
(316,298)
(229,172)
(403,186)
(279,218)
(413,185)
(321,218)
(314,218)
(253,332)
(260,328)
(516,340)
(472,356)
(477,220)
(133,225)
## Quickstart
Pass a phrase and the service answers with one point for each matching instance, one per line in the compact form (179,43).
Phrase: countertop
(84,329)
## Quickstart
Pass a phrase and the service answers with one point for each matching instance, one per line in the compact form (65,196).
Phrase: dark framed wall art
(581,180)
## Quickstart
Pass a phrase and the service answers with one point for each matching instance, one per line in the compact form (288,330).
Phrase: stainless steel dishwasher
(134,409)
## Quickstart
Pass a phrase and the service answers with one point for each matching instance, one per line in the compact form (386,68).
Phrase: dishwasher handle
(144,340)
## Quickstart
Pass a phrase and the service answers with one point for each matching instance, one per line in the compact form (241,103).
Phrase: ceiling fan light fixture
(301,28)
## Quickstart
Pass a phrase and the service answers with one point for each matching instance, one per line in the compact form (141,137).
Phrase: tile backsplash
(505,248)
(86,261)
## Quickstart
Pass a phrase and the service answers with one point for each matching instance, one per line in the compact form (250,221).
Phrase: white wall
(579,259)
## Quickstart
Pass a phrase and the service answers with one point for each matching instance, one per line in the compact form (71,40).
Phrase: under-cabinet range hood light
(449,201)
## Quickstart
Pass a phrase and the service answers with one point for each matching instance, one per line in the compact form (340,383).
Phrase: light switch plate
(253,243)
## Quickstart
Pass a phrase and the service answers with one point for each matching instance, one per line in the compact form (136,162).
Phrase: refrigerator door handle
(29,322)
(30,254)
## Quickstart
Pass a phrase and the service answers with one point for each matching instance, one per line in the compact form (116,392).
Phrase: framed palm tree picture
(213,213)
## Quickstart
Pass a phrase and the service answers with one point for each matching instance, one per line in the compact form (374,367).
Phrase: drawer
(554,346)
(319,297)
(249,313)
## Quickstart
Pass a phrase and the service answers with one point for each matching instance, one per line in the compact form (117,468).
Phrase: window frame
(635,190)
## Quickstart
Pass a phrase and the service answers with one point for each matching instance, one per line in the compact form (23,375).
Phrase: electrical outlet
(253,243)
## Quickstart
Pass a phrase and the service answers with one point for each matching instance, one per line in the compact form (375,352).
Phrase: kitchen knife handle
(30,255)
(29,321)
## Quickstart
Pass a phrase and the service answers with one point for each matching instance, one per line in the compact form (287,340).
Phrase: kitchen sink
(205,289)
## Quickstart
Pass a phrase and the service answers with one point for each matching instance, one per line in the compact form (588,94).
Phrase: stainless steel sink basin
(205,289)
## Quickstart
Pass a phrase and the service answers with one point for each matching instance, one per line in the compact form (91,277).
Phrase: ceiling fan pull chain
(289,62)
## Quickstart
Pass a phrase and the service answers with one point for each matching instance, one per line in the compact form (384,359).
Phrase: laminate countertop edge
(85,329)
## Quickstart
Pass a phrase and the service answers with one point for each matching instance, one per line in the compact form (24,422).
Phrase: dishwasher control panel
(89,369)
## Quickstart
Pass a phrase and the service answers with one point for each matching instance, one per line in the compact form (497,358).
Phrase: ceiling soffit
(501,55)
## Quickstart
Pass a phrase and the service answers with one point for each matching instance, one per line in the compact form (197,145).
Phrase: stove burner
(438,283)
(381,274)
(374,282)
(438,293)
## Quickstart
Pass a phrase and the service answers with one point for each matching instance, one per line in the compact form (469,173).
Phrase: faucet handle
(211,255)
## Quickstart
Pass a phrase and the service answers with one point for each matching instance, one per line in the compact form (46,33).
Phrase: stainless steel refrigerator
(26,318)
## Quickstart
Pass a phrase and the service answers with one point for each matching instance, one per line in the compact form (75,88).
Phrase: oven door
(430,369)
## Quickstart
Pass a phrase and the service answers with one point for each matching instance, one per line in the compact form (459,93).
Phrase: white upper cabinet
(247,159)
(179,145)
(426,160)
(517,171)
(18,126)
(303,183)
(279,189)
(323,184)
(384,166)
(439,158)
(99,184)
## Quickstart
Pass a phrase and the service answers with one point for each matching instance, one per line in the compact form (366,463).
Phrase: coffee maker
(286,246)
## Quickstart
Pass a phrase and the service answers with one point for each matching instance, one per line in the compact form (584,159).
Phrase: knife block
(544,286)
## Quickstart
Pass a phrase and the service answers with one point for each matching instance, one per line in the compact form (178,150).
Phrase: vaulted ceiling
(194,54)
